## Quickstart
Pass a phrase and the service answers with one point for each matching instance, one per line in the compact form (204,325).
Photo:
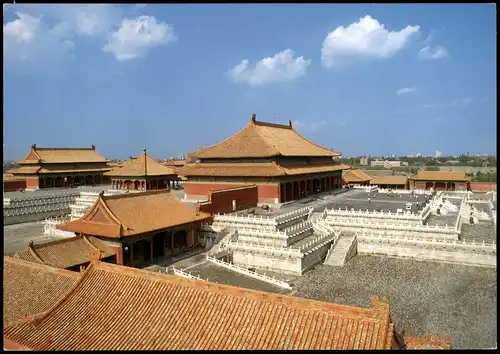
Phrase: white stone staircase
(342,251)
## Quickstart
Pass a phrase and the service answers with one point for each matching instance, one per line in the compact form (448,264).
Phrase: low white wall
(288,265)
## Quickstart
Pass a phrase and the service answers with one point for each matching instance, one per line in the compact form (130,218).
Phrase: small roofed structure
(441,180)
(141,227)
(142,173)
(282,163)
(62,167)
(31,288)
(356,177)
(166,312)
(69,253)
(392,182)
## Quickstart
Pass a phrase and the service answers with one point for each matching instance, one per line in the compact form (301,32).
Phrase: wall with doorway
(230,200)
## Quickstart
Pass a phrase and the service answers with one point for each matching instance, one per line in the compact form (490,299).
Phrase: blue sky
(361,79)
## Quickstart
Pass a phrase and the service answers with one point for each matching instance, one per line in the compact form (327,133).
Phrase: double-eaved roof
(142,166)
(66,253)
(260,139)
(131,214)
(31,288)
(62,155)
(441,176)
(120,308)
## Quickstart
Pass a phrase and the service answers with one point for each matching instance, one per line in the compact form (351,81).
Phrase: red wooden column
(132,255)
(291,185)
(172,243)
(151,248)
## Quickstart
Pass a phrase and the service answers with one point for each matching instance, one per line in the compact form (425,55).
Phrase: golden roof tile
(31,288)
(141,166)
(260,139)
(65,253)
(135,213)
(62,155)
(440,176)
(166,312)
(389,180)
(354,176)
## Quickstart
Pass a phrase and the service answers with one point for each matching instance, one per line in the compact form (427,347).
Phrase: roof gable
(62,155)
(134,213)
(144,165)
(261,139)
(355,176)
(163,312)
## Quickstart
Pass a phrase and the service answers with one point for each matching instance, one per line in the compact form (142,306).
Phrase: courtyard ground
(16,237)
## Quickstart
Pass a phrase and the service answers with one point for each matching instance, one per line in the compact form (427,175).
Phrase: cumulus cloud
(135,37)
(27,39)
(433,52)
(309,126)
(365,38)
(282,67)
(406,90)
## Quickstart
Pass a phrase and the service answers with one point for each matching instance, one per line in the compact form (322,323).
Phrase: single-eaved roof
(260,139)
(31,288)
(441,176)
(355,176)
(131,214)
(142,166)
(120,308)
(66,253)
(394,180)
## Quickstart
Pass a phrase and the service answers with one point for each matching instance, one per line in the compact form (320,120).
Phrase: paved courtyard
(16,237)
(425,297)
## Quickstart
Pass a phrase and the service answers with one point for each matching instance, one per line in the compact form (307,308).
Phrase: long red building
(282,163)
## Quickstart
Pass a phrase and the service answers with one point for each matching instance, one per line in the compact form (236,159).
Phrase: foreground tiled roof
(67,252)
(260,139)
(441,176)
(62,155)
(428,342)
(262,169)
(389,180)
(135,213)
(353,176)
(119,308)
(30,288)
(141,166)
(24,170)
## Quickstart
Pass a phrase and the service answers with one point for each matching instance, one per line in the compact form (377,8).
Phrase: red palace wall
(13,185)
(32,182)
(222,201)
(266,192)
(483,186)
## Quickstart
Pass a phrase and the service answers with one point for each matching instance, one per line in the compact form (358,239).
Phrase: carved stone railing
(263,248)
(181,273)
(436,244)
(250,273)
(373,214)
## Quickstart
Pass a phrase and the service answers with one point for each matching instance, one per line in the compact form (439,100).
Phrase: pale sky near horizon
(361,79)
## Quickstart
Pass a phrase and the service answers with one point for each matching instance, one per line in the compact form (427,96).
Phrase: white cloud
(28,40)
(134,37)
(365,38)
(436,52)
(406,90)
(282,67)
(309,126)
(462,102)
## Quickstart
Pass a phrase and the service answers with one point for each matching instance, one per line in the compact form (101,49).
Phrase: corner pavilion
(282,163)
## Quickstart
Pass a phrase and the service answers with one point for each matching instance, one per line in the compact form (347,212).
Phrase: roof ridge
(50,148)
(36,319)
(274,125)
(94,247)
(32,251)
(50,268)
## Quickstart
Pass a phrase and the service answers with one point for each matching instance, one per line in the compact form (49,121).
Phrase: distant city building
(418,155)
(363,161)
(438,154)
(385,163)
